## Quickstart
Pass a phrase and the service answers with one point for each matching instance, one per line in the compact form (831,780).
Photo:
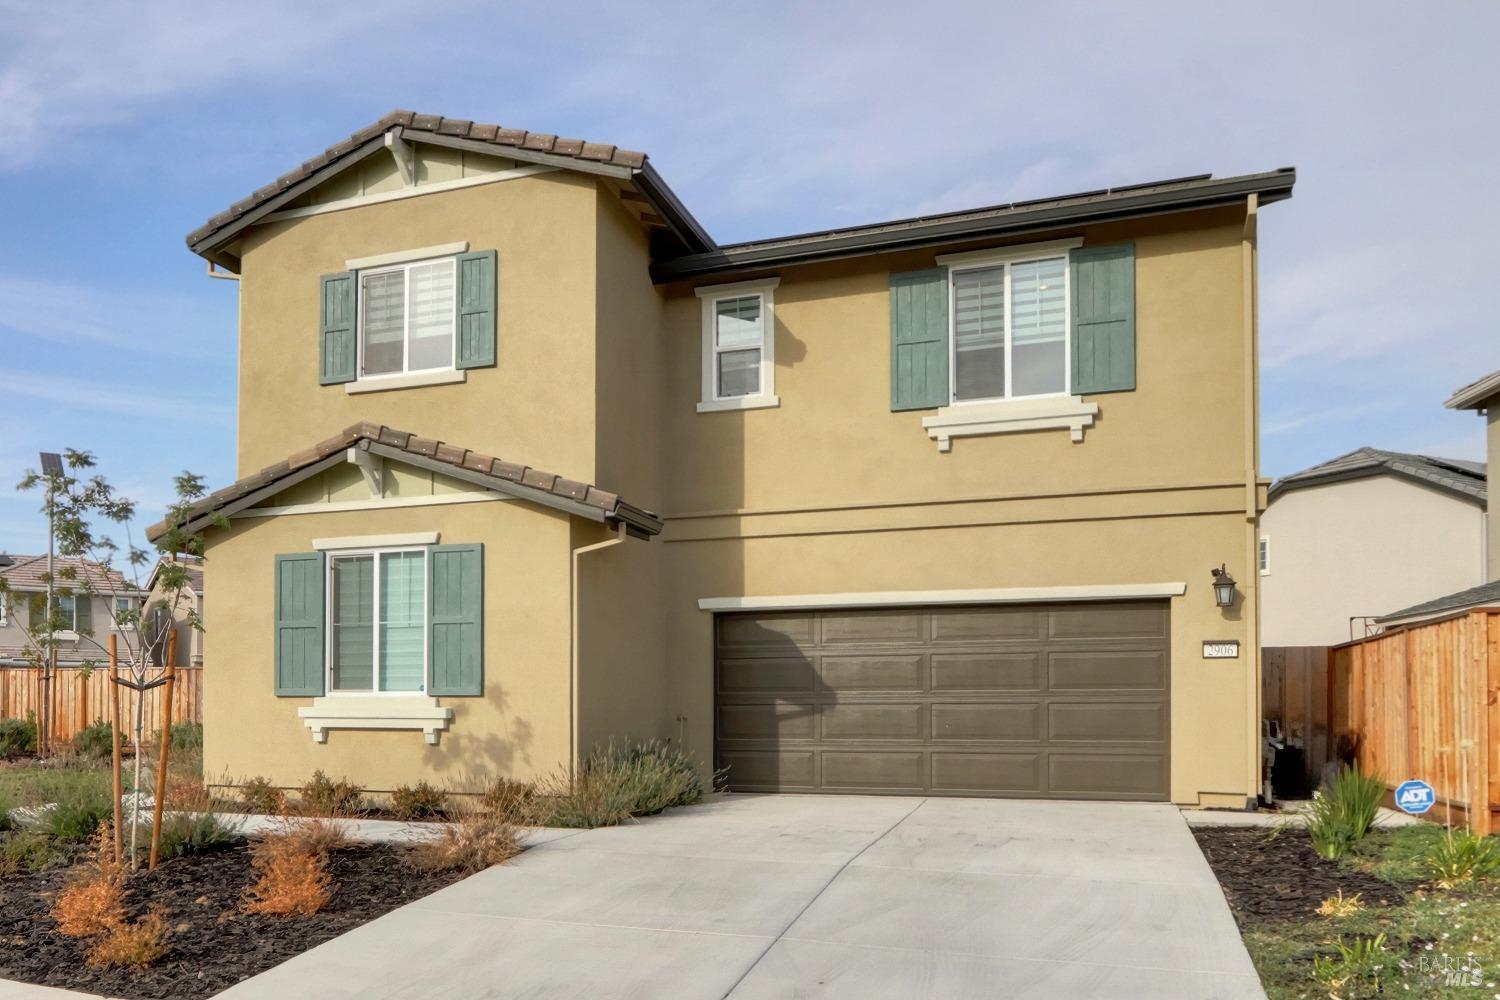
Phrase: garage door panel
(986,624)
(856,674)
(770,675)
(987,773)
(1108,621)
(1114,670)
(782,630)
(873,627)
(1111,775)
(986,672)
(1020,721)
(1061,701)
(769,770)
(779,720)
(874,770)
(873,722)
(1107,721)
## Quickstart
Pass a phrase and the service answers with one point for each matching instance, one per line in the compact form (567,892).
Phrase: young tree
(80,499)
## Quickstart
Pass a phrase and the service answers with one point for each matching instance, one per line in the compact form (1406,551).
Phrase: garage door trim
(938,598)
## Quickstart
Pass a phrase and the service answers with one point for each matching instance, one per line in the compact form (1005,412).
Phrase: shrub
(293,871)
(187,737)
(472,844)
(96,741)
(184,833)
(79,809)
(1344,813)
(6,805)
(514,801)
(131,945)
(94,901)
(260,796)
(29,850)
(419,801)
(323,796)
(1463,856)
(614,784)
(17,737)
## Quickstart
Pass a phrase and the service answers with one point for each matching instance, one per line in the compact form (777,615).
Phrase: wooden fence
(81,697)
(1294,695)
(1421,702)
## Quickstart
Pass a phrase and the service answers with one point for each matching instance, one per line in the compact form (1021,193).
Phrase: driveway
(757,897)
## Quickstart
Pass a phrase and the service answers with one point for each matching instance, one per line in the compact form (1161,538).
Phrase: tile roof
(1457,476)
(459,128)
(30,573)
(193,565)
(1485,593)
(522,481)
(1476,394)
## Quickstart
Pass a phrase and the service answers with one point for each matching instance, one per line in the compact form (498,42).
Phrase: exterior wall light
(1223,587)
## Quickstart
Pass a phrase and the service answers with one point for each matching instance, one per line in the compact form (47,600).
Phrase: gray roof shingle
(1457,476)
(1485,593)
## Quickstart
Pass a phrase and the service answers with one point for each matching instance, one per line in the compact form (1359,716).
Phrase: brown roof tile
(30,573)
(544,487)
(437,125)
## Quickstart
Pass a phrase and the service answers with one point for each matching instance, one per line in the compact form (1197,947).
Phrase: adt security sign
(1415,797)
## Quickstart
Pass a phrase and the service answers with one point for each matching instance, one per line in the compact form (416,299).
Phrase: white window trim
(405,378)
(405,540)
(899,598)
(1263,555)
(347,710)
(710,295)
(408,380)
(406,256)
(1002,416)
(1006,257)
(374,553)
(71,632)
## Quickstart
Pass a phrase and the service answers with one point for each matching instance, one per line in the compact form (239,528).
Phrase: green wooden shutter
(455,619)
(1103,287)
(919,339)
(476,309)
(83,620)
(299,624)
(336,329)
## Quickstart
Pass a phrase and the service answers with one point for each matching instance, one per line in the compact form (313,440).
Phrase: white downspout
(578,553)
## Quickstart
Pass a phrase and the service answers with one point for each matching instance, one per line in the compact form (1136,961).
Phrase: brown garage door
(1059,701)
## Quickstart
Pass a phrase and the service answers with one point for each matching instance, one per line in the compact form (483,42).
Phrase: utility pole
(51,468)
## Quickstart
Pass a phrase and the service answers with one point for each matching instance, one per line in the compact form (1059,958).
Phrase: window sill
(381,383)
(375,711)
(1009,416)
(740,403)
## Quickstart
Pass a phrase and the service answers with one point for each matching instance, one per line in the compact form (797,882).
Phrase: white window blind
(406,317)
(1010,330)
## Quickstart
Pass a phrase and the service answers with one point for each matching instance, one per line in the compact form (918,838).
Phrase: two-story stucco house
(531,463)
(88,597)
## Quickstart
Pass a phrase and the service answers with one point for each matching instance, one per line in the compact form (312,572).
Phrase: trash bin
(1289,773)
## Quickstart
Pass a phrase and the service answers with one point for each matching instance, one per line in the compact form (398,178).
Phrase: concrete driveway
(796,896)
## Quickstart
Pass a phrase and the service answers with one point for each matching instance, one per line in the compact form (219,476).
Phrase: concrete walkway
(826,897)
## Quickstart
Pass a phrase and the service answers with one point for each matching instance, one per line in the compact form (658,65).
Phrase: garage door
(1056,701)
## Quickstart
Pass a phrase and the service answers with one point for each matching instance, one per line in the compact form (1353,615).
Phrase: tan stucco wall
(519,728)
(535,406)
(1363,547)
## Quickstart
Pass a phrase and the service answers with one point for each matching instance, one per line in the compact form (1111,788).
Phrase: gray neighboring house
(189,639)
(1349,539)
(1483,397)
(26,581)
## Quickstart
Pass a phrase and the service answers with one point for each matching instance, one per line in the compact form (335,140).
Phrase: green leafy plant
(260,796)
(17,737)
(29,850)
(79,809)
(1344,813)
(419,801)
(323,796)
(1355,969)
(1463,856)
(96,741)
(184,833)
(187,737)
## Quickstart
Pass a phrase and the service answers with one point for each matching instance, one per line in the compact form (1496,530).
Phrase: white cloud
(144,398)
(147,322)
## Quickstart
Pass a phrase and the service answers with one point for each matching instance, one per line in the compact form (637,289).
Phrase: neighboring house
(928,506)
(1483,397)
(160,609)
(89,614)
(1345,541)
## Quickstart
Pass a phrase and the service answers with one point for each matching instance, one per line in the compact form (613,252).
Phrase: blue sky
(123,126)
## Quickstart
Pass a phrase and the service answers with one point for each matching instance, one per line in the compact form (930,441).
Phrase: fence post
(1480,666)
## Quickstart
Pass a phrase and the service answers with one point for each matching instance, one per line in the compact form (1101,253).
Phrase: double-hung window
(407,316)
(739,346)
(67,611)
(1010,329)
(377,621)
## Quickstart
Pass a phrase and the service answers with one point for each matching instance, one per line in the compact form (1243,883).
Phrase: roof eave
(1476,395)
(1269,188)
(1290,485)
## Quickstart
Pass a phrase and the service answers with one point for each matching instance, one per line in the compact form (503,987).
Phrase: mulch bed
(213,944)
(1281,878)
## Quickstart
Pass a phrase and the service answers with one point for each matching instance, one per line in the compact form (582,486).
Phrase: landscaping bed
(1278,877)
(213,943)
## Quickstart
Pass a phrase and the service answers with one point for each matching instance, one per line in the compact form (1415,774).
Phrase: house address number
(1226,649)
